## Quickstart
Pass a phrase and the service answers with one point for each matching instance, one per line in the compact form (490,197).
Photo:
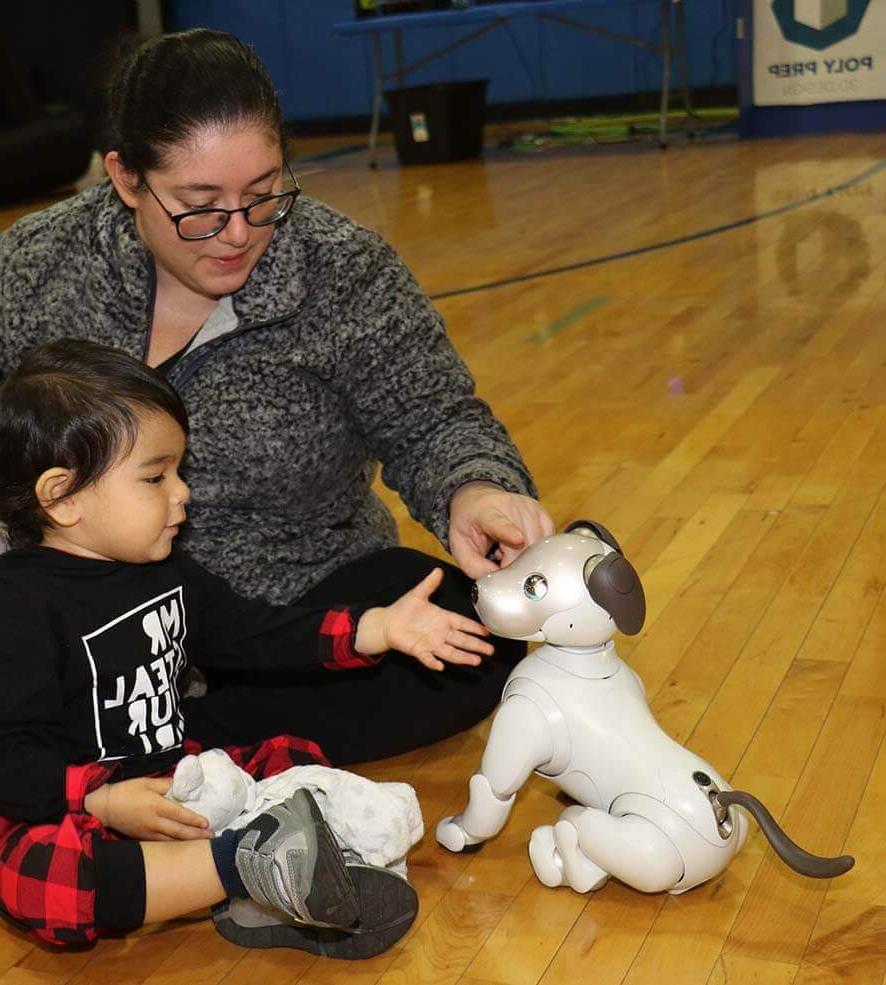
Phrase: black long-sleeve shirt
(91,654)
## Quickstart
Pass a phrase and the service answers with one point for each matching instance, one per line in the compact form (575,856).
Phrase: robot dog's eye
(535,587)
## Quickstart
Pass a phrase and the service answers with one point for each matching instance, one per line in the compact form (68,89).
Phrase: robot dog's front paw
(453,836)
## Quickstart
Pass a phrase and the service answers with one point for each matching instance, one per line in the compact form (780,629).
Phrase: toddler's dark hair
(75,405)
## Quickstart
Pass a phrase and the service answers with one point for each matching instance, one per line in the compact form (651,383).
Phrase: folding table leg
(376,99)
(665,72)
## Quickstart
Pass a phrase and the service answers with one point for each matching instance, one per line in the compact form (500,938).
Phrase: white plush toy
(213,785)
(379,821)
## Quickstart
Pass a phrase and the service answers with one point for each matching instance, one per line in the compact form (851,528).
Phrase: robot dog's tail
(797,858)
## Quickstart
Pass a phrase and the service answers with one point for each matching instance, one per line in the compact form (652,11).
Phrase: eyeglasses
(206,223)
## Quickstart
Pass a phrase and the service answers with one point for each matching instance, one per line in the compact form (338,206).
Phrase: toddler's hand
(138,809)
(414,625)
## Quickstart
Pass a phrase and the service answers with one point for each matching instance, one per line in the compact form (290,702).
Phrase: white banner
(819,51)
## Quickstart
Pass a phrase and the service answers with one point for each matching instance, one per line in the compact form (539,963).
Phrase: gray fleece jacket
(331,360)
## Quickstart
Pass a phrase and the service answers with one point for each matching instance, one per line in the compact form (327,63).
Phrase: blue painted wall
(322,75)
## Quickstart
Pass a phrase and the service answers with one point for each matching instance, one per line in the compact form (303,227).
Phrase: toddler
(100,615)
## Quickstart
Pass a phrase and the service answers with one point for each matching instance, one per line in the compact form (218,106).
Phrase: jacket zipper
(187,360)
(152,303)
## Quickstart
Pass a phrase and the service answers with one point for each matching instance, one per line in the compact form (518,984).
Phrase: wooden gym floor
(720,404)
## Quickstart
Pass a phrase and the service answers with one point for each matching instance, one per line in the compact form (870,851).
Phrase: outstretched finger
(465,625)
(429,660)
(469,643)
(428,585)
(453,655)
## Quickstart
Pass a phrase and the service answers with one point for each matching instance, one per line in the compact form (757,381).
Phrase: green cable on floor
(618,127)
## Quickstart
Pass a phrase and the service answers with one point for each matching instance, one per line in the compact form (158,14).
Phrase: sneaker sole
(332,900)
(388,907)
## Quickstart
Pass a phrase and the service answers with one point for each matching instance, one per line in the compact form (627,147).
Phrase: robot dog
(649,811)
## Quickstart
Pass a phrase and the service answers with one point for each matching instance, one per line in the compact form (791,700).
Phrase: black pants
(365,714)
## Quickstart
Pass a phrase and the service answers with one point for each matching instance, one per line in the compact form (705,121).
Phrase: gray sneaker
(288,860)
(388,906)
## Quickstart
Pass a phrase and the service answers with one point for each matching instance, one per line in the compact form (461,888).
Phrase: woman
(305,353)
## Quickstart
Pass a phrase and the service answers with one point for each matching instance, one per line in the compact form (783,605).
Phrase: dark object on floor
(438,123)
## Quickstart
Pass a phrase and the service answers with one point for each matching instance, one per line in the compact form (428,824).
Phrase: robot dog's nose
(475,594)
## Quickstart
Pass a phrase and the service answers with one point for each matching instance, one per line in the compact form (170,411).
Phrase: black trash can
(438,123)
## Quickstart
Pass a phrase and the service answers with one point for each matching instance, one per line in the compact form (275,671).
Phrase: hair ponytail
(167,88)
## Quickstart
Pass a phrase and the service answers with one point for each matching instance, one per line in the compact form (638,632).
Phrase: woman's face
(220,167)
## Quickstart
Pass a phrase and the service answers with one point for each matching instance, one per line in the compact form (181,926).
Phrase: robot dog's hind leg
(630,848)
(581,873)
(558,861)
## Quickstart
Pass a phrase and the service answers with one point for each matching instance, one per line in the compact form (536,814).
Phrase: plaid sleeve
(81,780)
(337,633)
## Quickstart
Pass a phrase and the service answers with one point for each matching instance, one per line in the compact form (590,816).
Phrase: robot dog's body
(649,811)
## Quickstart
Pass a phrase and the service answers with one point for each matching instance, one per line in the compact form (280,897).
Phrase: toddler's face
(134,510)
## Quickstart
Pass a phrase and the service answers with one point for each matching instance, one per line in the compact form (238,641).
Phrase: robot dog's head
(572,589)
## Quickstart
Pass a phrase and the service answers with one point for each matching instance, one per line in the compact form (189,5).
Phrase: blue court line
(858,179)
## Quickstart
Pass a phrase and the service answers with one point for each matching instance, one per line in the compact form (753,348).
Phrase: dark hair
(74,405)
(170,86)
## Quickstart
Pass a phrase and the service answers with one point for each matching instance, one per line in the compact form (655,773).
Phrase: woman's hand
(138,809)
(414,625)
(482,514)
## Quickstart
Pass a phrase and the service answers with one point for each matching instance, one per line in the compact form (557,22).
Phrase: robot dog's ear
(615,586)
(594,529)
